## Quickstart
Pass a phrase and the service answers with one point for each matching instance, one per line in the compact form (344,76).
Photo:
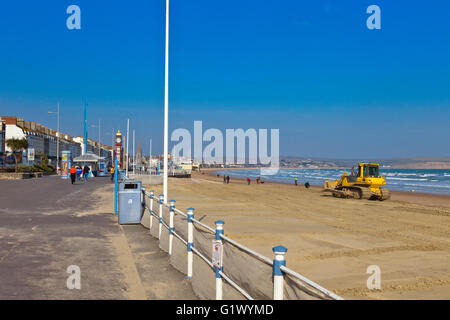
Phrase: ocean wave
(407,179)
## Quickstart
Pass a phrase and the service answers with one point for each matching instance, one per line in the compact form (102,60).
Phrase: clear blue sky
(310,68)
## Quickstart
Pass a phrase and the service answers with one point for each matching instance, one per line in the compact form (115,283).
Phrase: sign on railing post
(161,201)
(217,258)
(278,275)
(152,195)
(143,196)
(171,214)
(190,241)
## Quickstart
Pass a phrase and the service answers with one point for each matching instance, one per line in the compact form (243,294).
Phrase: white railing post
(278,275)
(190,241)
(171,215)
(219,290)
(161,201)
(152,195)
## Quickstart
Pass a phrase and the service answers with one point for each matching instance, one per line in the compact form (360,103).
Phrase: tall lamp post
(134,154)
(166,108)
(150,157)
(128,134)
(57,138)
(99,136)
(112,146)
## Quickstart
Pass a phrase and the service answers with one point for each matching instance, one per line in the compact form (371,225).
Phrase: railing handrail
(311,283)
(248,250)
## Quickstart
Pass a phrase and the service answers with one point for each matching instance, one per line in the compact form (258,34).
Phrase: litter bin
(130,210)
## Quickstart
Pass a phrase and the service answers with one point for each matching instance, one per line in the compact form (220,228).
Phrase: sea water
(410,180)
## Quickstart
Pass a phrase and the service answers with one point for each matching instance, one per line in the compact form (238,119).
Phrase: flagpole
(166,108)
(128,135)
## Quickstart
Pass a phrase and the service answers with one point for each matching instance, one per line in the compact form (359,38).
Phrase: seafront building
(44,142)
(2,140)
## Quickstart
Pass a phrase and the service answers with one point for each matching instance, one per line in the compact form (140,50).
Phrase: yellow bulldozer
(362,184)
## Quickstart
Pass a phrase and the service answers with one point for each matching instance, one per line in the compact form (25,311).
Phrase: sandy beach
(333,241)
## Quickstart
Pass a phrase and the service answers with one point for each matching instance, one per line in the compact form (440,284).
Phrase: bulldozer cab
(368,170)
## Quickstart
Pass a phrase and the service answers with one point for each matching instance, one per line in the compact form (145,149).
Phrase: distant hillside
(418,163)
(405,163)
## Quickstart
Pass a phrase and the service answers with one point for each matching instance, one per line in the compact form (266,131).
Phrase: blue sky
(310,68)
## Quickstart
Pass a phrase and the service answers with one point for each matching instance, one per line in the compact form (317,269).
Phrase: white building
(40,138)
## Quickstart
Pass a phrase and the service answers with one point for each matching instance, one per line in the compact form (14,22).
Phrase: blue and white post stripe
(278,275)
(190,242)
(219,290)
(152,195)
(161,201)
(171,228)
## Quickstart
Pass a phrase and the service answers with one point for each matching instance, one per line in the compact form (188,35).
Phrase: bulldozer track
(352,192)
(385,194)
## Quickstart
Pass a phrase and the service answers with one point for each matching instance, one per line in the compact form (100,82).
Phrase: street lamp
(99,137)
(166,107)
(128,134)
(57,138)
(112,143)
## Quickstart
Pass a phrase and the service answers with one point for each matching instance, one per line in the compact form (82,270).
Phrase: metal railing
(278,264)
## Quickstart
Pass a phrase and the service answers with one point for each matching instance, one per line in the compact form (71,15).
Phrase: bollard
(190,242)
(152,194)
(171,214)
(161,201)
(219,290)
(278,275)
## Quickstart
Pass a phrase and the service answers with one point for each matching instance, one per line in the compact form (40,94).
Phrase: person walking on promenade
(112,174)
(248,180)
(296,181)
(79,173)
(73,174)
(86,173)
(228,179)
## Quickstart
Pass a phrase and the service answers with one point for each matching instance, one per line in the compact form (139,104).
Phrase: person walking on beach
(228,179)
(224,179)
(86,173)
(296,181)
(248,180)
(73,174)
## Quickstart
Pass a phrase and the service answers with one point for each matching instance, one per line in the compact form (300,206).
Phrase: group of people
(226,179)
(76,173)
(258,180)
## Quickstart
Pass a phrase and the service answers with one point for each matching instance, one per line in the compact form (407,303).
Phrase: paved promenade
(47,224)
